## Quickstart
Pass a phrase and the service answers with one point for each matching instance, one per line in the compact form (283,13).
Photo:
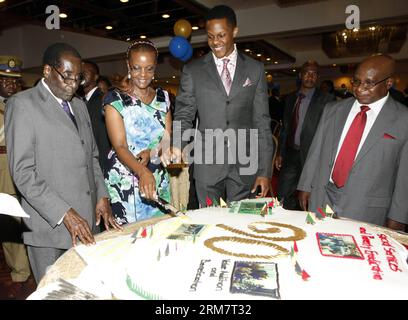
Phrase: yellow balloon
(182,28)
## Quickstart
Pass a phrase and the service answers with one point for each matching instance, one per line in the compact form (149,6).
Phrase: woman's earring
(153,78)
(129,75)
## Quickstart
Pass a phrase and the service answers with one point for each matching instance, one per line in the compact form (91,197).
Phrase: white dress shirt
(232,63)
(372,115)
(90,93)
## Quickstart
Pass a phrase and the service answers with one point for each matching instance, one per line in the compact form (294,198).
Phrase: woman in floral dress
(137,120)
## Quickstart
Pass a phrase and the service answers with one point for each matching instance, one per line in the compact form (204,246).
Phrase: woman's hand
(144,157)
(147,185)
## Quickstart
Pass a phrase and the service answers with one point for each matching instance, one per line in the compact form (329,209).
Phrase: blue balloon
(188,54)
(179,46)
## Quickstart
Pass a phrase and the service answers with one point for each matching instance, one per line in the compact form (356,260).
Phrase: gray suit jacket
(246,107)
(377,185)
(54,166)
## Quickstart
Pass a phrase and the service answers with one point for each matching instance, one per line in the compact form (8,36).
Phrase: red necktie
(348,150)
(295,119)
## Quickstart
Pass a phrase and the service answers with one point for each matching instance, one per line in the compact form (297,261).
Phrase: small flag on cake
(159,256)
(223,204)
(329,212)
(215,203)
(208,201)
(321,215)
(264,210)
(310,218)
(166,253)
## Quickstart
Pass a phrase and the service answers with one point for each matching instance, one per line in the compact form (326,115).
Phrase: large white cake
(276,256)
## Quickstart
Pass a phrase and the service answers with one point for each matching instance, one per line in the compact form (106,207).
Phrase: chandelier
(364,41)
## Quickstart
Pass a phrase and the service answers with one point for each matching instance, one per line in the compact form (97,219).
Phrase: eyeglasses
(367,84)
(80,79)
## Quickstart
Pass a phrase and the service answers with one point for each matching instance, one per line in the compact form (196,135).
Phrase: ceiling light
(142,37)
(195,28)
(247,50)
(2,1)
(343,34)
(108,27)
(128,39)
(258,54)
(174,77)
(372,28)
(276,62)
(294,70)
(124,1)
(165,16)
(355,30)
(268,59)
(63,15)
(334,65)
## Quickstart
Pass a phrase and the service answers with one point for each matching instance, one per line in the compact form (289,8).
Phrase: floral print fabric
(144,126)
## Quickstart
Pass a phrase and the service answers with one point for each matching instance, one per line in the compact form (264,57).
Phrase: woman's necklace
(145,98)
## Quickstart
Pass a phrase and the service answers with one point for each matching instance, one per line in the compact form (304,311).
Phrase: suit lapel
(53,107)
(310,110)
(240,73)
(342,112)
(211,69)
(383,124)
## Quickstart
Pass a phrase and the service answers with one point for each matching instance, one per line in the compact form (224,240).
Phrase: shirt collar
(377,105)
(232,57)
(48,88)
(90,93)
(308,94)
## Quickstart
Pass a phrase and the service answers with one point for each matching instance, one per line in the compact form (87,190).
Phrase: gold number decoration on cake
(210,243)
(298,234)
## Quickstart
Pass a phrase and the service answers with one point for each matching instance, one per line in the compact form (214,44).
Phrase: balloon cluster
(179,46)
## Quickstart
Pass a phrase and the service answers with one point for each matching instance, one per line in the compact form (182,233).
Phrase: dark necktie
(348,150)
(65,106)
(295,119)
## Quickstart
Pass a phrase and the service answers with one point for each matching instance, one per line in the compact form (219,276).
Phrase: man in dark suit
(53,161)
(228,91)
(93,98)
(358,160)
(301,117)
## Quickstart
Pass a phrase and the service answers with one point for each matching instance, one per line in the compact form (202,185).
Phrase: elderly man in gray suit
(358,160)
(228,92)
(53,160)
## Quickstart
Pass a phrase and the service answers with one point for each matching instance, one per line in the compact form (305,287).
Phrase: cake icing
(212,253)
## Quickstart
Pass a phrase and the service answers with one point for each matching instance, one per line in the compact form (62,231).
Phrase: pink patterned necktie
(226,76)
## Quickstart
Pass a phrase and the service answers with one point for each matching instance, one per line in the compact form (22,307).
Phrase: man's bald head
(378,70)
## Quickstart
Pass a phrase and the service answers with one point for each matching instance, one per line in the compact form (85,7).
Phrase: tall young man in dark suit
(93,99)
(228,92)
(53,160)
(358,160)
(302,113)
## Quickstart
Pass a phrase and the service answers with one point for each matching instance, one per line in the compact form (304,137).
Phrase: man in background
(302,113)
(10,227)
(93,99)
